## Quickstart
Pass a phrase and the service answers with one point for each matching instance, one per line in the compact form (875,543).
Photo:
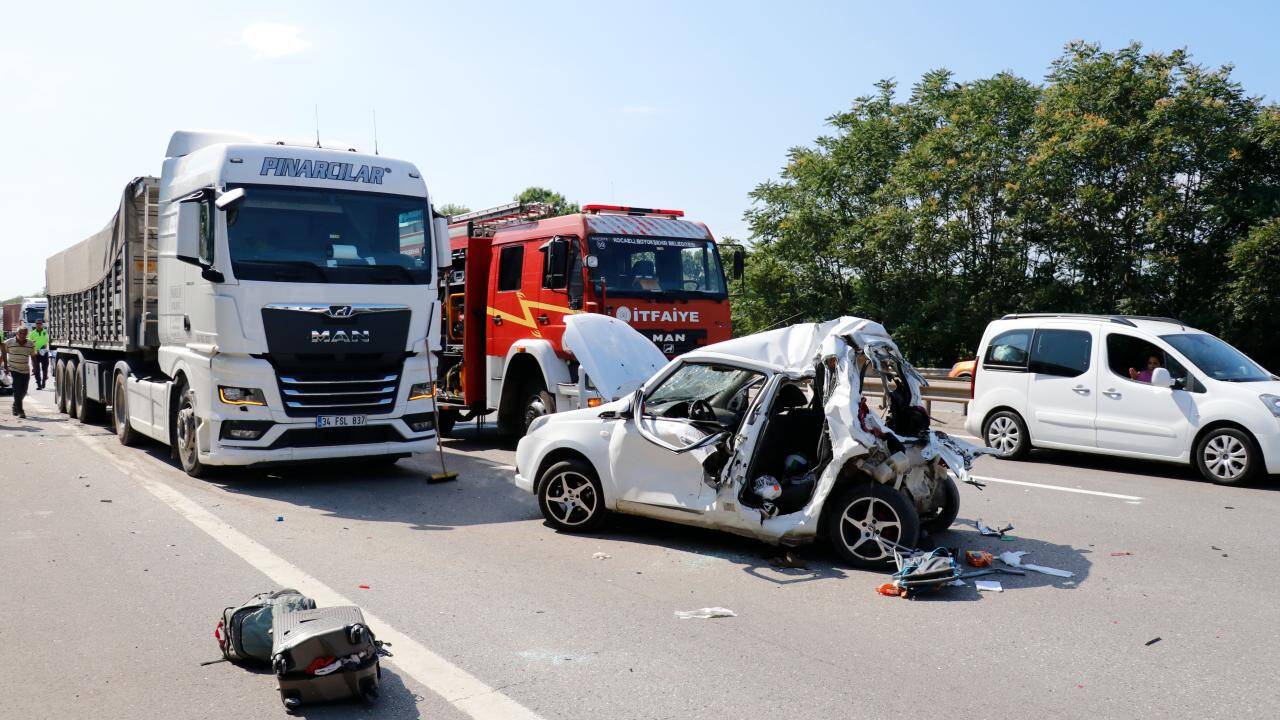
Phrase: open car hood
(616,357)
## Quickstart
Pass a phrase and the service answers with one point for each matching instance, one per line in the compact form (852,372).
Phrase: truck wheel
(91,411)
(71,393)
(184,441)
(570,496)
(537,402)
(120,413)
(59,385)
(446,421)
(863,517)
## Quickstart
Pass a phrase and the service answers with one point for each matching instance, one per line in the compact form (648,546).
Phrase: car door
(1062,386)
(1136,416)
(648,471)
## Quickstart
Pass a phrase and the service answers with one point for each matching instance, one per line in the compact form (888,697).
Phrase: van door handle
(1080,389)
(1111,393)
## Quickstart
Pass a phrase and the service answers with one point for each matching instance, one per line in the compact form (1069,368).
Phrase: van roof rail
(1118,319)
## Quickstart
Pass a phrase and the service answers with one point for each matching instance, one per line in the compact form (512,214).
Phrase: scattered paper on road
(706,612)
(988,585)
(601,556)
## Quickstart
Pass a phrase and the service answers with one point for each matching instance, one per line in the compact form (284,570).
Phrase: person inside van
(1144,376)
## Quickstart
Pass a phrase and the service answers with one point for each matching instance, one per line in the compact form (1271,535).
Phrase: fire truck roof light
(631,210)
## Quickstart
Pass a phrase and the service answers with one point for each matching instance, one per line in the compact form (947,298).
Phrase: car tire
(185,442)
(1007,434)
(948,507)
(120,412)
(1227,456)
(570,496)
(60,385)
(863,515)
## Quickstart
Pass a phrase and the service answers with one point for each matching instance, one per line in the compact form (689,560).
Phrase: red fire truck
(517,272)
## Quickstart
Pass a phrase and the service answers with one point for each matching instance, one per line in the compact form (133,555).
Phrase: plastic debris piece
(104,501)
(279,518)
(1152,641)
(363,587)
(988,585)
(1121,554)
(1014,559)
(890,590)
(978,558)
(989,531)
(706,612)
(600,556)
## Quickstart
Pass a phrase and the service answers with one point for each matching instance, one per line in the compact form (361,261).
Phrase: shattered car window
(719,385)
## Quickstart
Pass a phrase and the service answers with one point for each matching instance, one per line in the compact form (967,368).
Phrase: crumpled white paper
(1014,559)
(706,612)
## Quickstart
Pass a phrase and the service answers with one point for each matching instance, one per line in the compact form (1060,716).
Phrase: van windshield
(314,235)
(636,266)
(1217,359)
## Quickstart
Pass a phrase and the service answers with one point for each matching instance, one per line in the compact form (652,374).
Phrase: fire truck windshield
(310,235)
(636,266)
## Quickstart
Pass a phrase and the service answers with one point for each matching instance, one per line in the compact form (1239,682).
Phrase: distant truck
(24,313)
(258,303)
(517,272)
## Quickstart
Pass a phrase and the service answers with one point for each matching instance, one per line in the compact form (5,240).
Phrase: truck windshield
(1217,359)
(634,266)
(310,235)
(34,314)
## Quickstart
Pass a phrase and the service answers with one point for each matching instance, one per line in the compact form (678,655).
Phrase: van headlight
(241,395)
(422,391)
(1272,402)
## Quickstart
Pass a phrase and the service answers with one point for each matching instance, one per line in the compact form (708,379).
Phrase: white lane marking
(1042,486)
(458,687)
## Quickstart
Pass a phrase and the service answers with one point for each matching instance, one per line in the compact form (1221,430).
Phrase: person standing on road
(16,353)
(40,341)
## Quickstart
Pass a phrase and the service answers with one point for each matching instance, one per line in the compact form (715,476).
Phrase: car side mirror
(1160,377)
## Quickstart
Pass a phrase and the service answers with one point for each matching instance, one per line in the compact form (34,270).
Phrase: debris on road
(988,585)
(978,558)
(1014,559)
(1152,641)
(1121,554)
(279,518)
(601,556)
(984,529)
(788,560)
(925,571)
(107,501)
(704,613)
(363,587)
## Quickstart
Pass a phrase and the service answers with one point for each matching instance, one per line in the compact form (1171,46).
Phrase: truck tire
(447,419)
(60,385)
(71,393)
(185,443)
(120,412)
(536,403)
(91,411)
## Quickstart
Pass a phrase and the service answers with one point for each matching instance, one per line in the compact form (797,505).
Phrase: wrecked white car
(766,436)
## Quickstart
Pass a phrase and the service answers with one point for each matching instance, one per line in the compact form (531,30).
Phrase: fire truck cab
(517,272)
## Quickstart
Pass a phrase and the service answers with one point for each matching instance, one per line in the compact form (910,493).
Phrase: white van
(1125,385)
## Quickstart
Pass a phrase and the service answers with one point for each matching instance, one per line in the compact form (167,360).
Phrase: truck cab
(517,273)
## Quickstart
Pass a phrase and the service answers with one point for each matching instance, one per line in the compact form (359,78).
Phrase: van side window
(1126,352)
(510,267)
(1064,353)
(1008,350)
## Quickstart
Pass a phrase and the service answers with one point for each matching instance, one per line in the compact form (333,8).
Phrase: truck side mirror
(739,263)
(440,235)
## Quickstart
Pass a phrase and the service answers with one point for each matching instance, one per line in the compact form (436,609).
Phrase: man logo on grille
(339,311)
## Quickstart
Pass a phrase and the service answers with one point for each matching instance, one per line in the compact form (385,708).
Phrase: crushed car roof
(795,348)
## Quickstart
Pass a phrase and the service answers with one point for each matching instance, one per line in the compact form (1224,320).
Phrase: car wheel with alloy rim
(570,496)
(1007,434)
(868,522)
(1226,456)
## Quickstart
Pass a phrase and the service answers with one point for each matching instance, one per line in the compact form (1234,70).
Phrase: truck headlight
(1272,402)
(241,396)
(422,391)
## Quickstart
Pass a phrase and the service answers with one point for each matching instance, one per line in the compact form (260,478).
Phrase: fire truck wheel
(537,402)
(448,418)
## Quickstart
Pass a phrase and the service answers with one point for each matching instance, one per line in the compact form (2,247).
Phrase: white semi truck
(258,303)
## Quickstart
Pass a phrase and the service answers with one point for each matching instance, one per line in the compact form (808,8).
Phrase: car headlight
(422,391)
(241,396)
(1272,402)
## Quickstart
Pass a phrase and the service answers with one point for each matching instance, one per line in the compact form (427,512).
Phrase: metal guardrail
(939,390)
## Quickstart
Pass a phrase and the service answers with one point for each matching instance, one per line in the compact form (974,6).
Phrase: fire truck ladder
(484,223)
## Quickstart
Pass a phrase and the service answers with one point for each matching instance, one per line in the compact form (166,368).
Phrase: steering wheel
(701,410)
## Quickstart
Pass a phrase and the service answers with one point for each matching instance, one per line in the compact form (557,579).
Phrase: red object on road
(363,587)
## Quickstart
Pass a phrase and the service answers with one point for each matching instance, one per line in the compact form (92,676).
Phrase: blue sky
(686,105)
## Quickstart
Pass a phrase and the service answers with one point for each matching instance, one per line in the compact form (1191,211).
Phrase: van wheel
(570,496)
(60,385)
(72,392)
(865,516)
(185,424)
(1227,456)
(948,508)
(537,402)
(1007,433)
(120,413)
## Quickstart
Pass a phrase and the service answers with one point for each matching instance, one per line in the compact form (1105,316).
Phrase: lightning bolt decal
(527,307)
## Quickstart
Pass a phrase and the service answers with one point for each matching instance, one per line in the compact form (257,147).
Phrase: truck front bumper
(303,441)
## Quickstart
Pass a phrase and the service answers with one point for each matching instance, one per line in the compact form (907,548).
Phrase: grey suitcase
(324,654)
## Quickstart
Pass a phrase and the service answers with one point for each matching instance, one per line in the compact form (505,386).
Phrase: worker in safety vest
(40,341)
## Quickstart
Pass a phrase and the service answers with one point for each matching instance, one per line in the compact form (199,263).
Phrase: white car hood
(616,357)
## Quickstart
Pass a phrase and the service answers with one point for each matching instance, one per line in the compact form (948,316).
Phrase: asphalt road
(115,566)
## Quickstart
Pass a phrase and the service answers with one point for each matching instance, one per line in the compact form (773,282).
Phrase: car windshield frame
(1194,351)
(714,284)
(366,258)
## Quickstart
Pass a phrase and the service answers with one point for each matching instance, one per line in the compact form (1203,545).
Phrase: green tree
(452,209)
(556,201)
